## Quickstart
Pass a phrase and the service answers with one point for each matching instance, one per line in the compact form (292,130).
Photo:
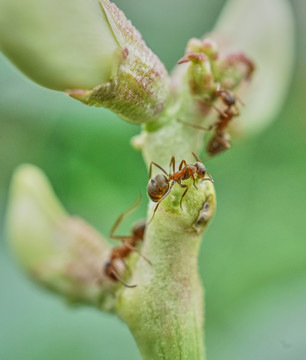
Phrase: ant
(129,244)
(221,140)
(229,99)
(159,188)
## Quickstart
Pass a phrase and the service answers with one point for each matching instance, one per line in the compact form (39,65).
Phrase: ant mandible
(129,244)
(159,186)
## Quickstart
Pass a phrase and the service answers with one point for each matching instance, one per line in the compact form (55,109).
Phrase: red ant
(221,140)
(129,244)
(159,188)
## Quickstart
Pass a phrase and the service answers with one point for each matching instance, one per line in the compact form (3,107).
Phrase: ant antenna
(211,179)
(196,125)
(196,157)
(121,281)
(221,113)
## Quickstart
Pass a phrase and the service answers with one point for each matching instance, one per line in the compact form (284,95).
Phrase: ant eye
(201,170)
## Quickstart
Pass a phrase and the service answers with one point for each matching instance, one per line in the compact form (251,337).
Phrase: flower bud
(206,46)
(62,253)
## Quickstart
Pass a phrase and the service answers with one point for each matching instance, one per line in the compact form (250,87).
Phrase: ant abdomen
(157,187)
(218,144)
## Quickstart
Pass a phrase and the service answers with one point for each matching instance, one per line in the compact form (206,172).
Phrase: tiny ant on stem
(221,140)
(159,186)
(129,244)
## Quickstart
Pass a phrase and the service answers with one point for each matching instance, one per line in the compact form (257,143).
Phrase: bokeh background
(253,257)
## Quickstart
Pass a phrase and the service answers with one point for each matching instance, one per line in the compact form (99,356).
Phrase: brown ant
(221,140)
(229,99)
(129,244)
(159,186)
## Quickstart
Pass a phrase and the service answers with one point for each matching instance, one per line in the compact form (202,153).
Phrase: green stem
(165,311)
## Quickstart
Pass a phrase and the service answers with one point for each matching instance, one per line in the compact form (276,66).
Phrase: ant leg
(119,221)
(232,111)
(183,163)
(240,100)
(172,162)
(114,272)
(193,180)
(138,252)
(157,205)
(154,163)
(210,177)
(225,142)
(196,125)
(221,113)
(184,193)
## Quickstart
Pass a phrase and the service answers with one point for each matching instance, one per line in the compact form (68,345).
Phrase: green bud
(61,252)
(138,90)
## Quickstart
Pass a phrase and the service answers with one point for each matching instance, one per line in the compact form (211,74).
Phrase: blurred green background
(253,257)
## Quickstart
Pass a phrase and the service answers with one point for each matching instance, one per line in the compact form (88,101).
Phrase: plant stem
(165,311)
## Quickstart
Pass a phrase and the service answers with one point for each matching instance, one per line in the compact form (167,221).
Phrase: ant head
(157,187)
(201,169)
(229,98)
(139,229)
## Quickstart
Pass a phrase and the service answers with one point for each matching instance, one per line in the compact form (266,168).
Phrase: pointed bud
(139,87)
(62,253)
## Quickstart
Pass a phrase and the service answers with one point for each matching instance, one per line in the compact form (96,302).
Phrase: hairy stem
(165,310)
